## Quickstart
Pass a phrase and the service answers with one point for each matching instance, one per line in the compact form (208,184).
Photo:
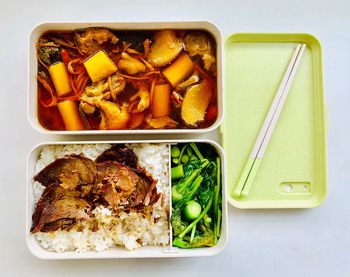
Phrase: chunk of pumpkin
(179,69)
(196,102)
(165,48)
(99,66)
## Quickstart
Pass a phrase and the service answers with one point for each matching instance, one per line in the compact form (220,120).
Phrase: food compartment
(119,78)
(196,195)
(105,200)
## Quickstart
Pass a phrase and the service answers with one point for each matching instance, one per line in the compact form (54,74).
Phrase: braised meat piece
(124,155)
(121,154)
(121,187)
(70,172)
(62,224)
(58,208)
(75,185)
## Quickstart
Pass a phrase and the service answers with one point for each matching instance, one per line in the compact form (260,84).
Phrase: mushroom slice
(198,43)
(91,39)
(165,48)
(161,122)
(130,64)
(196,102)
(113,117)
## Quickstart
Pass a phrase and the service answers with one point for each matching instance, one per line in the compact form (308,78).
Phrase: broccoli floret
(49,54)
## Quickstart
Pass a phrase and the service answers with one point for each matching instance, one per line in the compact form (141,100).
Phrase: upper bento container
(44,27)
(292,173)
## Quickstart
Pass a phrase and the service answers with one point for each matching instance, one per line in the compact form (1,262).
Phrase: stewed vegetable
(102,79)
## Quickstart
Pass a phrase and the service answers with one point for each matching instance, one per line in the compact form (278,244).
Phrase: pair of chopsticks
(252,164)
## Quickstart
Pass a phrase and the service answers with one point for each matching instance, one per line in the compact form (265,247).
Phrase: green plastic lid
(292,173)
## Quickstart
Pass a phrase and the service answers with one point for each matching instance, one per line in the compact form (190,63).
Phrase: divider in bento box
(122,26)
(121,252)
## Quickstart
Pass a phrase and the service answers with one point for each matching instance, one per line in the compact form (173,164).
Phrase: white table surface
(313,242)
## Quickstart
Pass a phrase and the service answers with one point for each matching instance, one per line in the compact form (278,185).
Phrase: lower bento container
(121,252)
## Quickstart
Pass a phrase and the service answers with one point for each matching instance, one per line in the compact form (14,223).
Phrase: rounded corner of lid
(231,201)
(320,198)
(311,40)
(229,38)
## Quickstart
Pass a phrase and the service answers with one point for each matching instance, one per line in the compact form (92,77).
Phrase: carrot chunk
(60,79)
(70,115)
(161,100)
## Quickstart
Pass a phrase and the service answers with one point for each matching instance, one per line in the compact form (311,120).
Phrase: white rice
(131,230)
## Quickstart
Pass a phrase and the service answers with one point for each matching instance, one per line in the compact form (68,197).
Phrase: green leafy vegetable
(205,239)
(198,153)
(191,169)
(196,196)
(176,222)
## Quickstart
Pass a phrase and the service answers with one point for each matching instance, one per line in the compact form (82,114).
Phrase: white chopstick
(280,105)
(252,164)
(274,104)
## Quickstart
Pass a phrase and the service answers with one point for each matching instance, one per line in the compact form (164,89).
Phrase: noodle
(71,68)
(203,73)
(83,85)
(79,79)
(62,42)
(152,91)
(144,77)
(48,88)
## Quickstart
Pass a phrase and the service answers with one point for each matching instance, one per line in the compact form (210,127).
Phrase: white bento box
(44,27)
(120,252)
